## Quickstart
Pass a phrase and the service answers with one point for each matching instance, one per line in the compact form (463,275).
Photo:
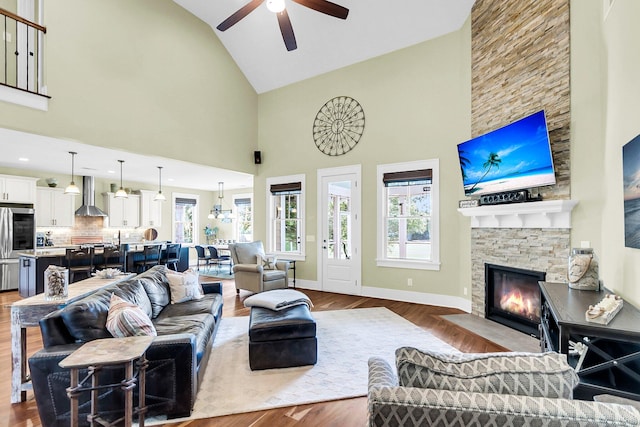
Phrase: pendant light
(121,193)
(159,197)
(72,188)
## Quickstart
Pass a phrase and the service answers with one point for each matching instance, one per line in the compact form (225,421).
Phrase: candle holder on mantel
(56,283)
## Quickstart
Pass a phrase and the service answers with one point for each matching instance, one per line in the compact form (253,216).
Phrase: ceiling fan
(278,7)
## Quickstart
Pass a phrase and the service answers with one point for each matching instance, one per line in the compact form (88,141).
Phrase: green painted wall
(620,265)
(417,106)
(146,77)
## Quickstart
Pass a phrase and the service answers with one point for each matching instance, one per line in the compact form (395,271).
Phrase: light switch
(311,238)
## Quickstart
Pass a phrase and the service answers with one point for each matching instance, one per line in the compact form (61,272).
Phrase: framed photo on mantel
(631,178)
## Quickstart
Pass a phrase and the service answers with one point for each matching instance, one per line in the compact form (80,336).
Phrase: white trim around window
(382,260)
(270,244)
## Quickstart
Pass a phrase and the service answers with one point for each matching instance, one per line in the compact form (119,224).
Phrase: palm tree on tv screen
(493,160)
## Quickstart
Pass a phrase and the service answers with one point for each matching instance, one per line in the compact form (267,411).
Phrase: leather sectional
(177,357)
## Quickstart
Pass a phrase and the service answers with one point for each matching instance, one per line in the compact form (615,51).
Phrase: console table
(27,313)
(612,361)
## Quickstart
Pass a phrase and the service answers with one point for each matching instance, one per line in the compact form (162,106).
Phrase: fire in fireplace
(513,297)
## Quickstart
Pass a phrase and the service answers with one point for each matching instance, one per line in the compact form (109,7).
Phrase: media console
(611,364)
(508,197)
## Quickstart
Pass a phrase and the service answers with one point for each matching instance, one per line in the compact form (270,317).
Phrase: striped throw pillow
(126,319)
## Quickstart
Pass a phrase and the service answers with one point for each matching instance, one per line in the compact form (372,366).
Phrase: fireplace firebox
(512,297)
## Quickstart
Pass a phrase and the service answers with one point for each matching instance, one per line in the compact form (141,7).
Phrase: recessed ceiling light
(170,179)
(111,171)
(23,159)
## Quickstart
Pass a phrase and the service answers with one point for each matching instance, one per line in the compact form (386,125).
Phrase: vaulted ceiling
(324,43)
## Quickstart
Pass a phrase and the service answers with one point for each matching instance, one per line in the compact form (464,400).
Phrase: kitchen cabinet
(123,212)
(54,208)
(150,210)
(17,189)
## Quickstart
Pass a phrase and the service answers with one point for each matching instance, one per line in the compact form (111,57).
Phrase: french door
(339,258)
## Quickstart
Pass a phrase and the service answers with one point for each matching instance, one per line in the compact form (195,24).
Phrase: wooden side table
(97,354)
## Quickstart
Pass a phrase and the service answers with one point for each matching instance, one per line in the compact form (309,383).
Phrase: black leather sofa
(177,357)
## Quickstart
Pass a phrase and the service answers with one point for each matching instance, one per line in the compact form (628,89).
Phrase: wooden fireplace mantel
(543,214)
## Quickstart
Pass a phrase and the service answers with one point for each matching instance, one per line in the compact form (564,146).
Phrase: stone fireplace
(513,297)
(531,236)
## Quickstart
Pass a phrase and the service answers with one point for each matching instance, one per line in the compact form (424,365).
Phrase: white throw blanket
(278,299)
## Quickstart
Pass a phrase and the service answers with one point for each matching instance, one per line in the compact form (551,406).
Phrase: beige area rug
(346,340)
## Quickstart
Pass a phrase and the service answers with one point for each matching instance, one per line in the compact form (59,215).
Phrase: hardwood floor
(347,412)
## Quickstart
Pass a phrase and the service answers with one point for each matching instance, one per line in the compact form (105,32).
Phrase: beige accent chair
(254,277)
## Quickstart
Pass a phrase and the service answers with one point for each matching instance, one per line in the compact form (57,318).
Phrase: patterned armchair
(491,389)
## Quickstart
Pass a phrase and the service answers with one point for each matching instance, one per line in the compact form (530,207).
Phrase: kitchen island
(33,263)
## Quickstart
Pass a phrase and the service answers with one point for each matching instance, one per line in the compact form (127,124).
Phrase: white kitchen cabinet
(54,208)
(17,189)
(123,212)
(150,210)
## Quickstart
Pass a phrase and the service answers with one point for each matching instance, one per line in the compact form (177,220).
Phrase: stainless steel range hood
(88,207)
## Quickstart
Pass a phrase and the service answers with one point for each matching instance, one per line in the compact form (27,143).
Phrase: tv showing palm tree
(514,157)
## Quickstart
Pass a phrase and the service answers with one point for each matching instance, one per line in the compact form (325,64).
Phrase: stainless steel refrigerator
(17,234)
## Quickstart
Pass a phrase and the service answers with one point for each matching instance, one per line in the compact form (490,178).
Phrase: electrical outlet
(464,291)
(409,282)
(585,244)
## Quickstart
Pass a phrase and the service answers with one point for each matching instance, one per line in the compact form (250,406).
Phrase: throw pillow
(269,262)
(126,319)
(525,374)
(184,286)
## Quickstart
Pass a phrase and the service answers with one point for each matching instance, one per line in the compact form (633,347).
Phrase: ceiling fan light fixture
(275,6)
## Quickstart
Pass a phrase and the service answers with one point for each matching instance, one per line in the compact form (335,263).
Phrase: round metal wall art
(338,126)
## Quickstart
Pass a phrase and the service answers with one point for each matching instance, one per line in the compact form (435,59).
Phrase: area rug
(346,340)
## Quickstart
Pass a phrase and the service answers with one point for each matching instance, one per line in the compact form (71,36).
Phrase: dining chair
(203,256)
(172,256)
(79,261)
(150,258)
(218,259)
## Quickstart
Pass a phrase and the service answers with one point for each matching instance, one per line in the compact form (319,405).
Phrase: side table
(94,355)
(293,268)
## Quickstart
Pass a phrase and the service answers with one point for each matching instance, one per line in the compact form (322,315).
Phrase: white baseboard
(403,296)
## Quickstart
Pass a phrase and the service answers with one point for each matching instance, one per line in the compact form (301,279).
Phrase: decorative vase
(583,270)
(56,283)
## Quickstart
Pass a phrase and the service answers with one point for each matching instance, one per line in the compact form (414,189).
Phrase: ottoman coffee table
(282,339)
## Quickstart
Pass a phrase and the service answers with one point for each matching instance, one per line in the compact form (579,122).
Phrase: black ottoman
(282,339)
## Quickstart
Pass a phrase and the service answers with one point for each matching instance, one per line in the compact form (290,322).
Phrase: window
(185,218)
(408,232)
(244,215)
(285,226)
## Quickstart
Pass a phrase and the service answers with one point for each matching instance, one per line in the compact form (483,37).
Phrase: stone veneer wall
(520,65)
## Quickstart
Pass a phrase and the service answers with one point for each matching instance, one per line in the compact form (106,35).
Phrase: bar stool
(151,257)
(79,261)
(113,257)
(172,255)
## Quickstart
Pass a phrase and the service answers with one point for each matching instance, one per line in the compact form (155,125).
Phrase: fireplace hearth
(513,297)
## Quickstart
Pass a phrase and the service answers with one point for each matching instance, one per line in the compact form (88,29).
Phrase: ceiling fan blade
(287,31)
(238,15)
(325,7)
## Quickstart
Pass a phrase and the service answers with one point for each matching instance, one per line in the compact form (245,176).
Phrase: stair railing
(21,53)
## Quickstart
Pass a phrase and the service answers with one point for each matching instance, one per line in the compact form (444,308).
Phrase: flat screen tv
(514,157)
